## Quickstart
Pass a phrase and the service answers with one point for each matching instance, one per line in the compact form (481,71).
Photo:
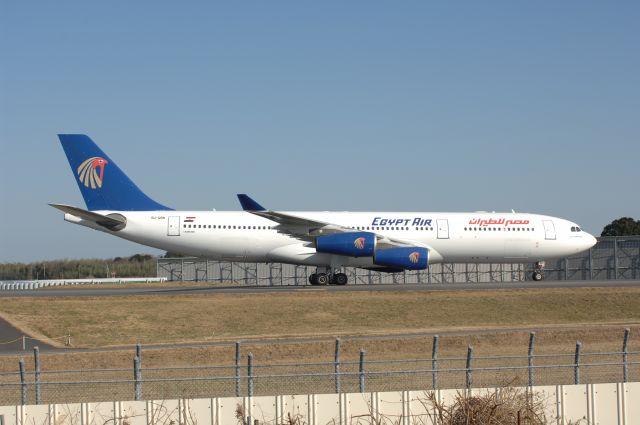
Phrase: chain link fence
(247,376)
(611,258)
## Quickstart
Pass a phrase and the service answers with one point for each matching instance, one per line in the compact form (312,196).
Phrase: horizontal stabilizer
(111,221)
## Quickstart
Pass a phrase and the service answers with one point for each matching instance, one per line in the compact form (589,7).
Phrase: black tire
(537,276)
(313,279)
(322,279)
(340,279)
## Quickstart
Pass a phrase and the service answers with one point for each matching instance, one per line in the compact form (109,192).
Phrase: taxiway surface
(94,291)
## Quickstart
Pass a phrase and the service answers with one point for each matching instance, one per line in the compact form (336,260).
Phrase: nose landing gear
(538,272)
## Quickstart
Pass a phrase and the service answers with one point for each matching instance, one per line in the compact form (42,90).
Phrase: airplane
(383,241)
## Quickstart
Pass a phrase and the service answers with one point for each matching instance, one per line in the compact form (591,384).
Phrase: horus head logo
(88,172)
(414,256)
(359,243)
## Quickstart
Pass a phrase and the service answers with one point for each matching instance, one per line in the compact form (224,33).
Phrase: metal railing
(610,259)
(246,376)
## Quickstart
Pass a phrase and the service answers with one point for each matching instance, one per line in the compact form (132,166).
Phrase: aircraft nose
(591,240)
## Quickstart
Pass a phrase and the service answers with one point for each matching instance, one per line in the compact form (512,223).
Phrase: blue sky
(391,106)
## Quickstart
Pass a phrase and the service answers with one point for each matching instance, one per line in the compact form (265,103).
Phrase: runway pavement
(96,291)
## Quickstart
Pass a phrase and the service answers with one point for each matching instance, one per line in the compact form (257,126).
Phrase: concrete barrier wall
(24,285)
(617,404)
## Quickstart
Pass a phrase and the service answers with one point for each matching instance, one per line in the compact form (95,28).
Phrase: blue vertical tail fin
(102,183)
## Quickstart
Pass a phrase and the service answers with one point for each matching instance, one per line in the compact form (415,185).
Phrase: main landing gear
(328,278)
(538,271)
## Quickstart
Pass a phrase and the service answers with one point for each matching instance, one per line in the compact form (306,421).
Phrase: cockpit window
(575,229)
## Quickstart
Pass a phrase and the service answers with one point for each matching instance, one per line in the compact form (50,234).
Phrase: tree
(625,226)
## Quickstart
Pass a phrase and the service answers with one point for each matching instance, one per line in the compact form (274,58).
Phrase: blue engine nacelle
(409,258)
(353,244)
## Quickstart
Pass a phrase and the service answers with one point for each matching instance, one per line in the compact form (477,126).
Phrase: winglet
(249,204)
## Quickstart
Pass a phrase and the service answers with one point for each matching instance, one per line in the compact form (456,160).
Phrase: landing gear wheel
(537,276)
(340,279)
(322,278)
(313,279)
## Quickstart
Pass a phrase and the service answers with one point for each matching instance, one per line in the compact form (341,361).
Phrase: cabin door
(174,226)
(549,230)
(443,229)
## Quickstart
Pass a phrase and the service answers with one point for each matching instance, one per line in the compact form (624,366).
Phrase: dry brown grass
(495,322)
(105,321)
(490,342)
(508,406)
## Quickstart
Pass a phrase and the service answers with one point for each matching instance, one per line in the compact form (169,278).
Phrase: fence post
(237,368)
(337,365)
(532,338)
(136,378)
(250,375)
(361,372)
(139,356)
(615,257)
(24,342)
(36,361)
(625,355)
(23,383)
(434,363)
(469,377)
(577,363)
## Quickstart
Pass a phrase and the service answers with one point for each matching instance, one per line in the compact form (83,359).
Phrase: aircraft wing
(307,229)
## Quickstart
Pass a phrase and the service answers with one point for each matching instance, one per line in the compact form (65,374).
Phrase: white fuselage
(451,237)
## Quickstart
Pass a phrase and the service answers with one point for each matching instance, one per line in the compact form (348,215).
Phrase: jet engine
(409,258)
(352,244)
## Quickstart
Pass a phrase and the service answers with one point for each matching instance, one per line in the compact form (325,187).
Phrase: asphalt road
(94,291)
(11,340)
